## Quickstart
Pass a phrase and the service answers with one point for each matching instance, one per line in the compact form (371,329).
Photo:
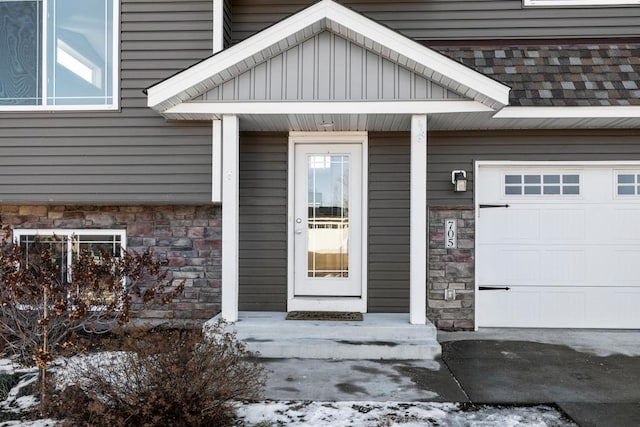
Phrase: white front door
(327,220)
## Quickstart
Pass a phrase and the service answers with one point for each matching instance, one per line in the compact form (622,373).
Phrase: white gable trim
(308,22)
(611,112)
(204,110)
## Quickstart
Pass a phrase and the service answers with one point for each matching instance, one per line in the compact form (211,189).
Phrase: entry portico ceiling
(187,95)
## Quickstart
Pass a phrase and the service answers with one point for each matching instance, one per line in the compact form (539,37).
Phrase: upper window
(580,2)
(58,54)
(552,184)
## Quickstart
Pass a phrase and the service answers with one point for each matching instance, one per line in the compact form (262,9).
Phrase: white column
(216,161)
(230,217)
(418,221)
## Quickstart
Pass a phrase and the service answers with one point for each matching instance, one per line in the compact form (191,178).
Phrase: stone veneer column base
(451,269)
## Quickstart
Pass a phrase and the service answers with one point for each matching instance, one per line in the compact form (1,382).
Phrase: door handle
(298,230)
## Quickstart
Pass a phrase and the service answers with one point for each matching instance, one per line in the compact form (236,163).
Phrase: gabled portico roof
(182,96)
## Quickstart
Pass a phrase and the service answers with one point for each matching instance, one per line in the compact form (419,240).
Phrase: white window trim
(541,184)
(115,105)
(67,234)
(635,185)
(579,3)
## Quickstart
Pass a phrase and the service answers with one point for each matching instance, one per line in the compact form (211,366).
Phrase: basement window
(66,245)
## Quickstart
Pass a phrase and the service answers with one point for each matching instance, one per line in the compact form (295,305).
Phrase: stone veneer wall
(189,237)
(451,269)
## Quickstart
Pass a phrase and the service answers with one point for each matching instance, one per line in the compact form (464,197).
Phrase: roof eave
(308,22)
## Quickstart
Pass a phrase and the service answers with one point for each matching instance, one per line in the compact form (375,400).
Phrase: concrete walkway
(594,376)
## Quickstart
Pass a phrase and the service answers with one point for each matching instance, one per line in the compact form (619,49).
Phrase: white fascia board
(327,107)
(327,9)
(568,112)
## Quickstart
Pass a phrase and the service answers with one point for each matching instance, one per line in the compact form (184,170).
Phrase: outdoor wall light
(459,180)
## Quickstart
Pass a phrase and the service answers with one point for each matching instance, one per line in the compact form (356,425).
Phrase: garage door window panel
(628,184)
(555,184)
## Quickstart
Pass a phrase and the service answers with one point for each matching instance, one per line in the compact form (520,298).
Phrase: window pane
(532,179)
(625,179)
(512,179)
(571,179)
(531,190)
(625,189)
(552,179)
(552,189)
(20,52)
(79,49)
(512,190)
(328,220)
(98,245)
(570,189)
(34,246)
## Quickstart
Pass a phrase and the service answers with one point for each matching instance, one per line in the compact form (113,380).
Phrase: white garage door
(567,247)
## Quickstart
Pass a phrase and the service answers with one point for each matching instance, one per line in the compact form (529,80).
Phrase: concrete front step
(378,336)
(310,348)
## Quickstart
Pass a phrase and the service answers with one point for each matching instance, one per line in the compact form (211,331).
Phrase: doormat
(325,315)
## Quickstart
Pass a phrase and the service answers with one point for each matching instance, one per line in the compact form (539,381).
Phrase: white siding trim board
(610,112)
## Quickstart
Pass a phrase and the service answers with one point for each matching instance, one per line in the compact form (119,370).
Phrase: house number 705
(450,234)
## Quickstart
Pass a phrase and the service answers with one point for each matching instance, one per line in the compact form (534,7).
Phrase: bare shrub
(43,309)
(169,378)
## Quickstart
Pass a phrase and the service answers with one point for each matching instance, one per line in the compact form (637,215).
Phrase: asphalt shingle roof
(559,75)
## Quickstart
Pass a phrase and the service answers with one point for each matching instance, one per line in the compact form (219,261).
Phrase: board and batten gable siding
(458,20)
(328,67)
(448,151)
(128,156)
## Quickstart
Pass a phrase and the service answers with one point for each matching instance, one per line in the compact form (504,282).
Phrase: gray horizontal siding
(458,20)
(459,150)
(127,156)
(388,257)
(328,67)
(263,222)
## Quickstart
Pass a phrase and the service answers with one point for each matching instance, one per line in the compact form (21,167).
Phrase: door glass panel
(328,215)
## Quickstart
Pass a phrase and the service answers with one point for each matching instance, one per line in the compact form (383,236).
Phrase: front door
(327,221)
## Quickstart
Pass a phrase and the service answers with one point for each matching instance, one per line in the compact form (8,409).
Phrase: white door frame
(326,303)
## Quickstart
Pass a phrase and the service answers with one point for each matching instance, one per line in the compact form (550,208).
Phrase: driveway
(594,376)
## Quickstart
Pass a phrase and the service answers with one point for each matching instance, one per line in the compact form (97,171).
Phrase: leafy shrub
(169,378)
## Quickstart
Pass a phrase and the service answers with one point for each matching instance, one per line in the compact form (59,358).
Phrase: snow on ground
(314,414)
(391,414)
